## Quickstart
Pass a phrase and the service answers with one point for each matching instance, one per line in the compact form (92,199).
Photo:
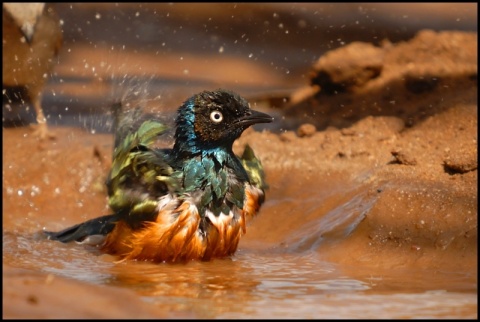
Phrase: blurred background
(168,51)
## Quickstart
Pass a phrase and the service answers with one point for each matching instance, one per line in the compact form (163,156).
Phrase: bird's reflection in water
(204,289)
(206,280)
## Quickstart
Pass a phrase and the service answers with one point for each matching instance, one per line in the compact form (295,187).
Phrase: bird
(32,38)
(188,202)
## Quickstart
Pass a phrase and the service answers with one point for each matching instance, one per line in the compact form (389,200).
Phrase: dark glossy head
(213,119)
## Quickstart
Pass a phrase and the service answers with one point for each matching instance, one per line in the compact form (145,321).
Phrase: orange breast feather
(176,235)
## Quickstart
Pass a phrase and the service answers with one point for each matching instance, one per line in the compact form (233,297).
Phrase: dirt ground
(401,125)
(396,123)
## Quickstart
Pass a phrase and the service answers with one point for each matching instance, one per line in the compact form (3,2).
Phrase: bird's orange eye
(216,116)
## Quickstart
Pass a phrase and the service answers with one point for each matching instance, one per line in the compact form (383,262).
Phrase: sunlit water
(265,279)
(270,283)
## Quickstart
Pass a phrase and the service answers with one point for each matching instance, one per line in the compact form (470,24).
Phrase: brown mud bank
(399,123)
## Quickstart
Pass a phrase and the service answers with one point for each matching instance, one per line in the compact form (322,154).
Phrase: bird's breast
(181,233)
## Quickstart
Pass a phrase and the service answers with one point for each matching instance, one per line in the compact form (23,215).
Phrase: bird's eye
(216,116)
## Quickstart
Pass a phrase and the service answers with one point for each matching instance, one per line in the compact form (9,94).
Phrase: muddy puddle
(260,284)
(281,276)
(361,220)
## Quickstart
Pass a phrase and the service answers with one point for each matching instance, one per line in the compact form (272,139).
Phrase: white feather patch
(221,221)
(165,200)
(92,240)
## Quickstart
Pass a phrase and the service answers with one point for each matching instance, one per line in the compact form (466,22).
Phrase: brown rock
(403,158)
(348,67)
(461,161)
(306,129)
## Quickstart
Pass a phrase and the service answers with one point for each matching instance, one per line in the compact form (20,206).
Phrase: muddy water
(257,284)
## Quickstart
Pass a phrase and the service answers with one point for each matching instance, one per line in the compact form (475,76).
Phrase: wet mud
(371,162)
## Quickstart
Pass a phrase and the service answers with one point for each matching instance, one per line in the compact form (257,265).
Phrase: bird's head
(214,119)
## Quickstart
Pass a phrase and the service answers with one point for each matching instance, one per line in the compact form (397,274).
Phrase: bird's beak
(254,117)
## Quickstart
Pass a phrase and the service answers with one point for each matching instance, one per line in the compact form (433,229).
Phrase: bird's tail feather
(97,226)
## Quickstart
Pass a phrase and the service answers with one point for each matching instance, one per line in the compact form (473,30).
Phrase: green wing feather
(135,179)
(254,168)
(131,146)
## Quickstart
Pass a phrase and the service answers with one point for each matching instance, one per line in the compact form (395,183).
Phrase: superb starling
(185,203)
(32,38)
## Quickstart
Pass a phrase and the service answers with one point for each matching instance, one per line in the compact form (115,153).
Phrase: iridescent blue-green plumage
(200,168)
(199,161)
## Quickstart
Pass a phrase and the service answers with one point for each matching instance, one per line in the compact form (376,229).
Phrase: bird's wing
(133,182)
(254,168)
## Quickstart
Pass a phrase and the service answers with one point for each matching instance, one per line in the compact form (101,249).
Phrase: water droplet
(35,191)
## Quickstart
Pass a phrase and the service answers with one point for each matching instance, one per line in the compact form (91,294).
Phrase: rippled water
(262,282)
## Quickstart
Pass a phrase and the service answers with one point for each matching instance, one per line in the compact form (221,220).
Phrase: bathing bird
(188,202)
